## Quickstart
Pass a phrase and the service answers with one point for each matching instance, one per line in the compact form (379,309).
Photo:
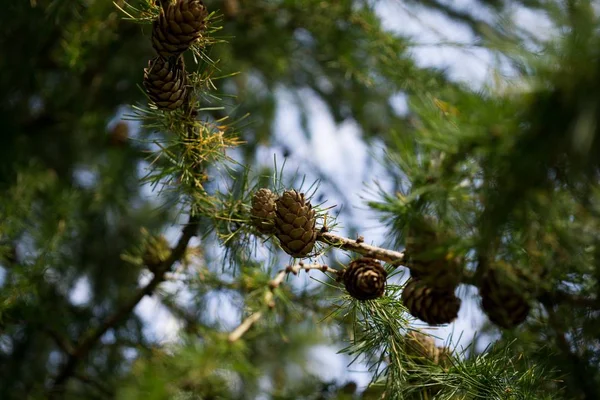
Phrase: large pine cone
(295,224)
(165,83)
(501,299)
(428,305)
(177,27)
(263,210)
(365,279)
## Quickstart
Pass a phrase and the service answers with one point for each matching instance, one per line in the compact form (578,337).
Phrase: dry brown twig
(247,323)
(358,245)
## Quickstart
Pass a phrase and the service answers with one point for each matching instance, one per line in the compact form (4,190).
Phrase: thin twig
(87,343)
(62,342)
(247,323)
(358,246)
(244,326)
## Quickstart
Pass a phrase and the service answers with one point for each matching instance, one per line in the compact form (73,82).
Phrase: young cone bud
(263,210)
(157,251)
(295,224)
(177,27)
(365,279)
(428,305)
(165,83)
(501,299)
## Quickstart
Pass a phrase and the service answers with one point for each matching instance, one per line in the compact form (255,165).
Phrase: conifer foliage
(494,189)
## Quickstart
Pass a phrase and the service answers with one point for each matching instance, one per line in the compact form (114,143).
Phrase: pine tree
(491,188)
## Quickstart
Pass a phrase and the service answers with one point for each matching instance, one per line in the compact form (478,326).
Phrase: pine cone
(443,357)
(420,347)
(365,279)
(295,224)
(165,83)
(263,210)
(119,134)
(177,27)
(501,299)
(429,305)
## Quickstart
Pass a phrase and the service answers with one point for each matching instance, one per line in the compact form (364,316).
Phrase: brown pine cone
(420,347)
(263,210)
(428,305)
(501,299)
(364,279)
(165,83)
(178,27)
(295,224)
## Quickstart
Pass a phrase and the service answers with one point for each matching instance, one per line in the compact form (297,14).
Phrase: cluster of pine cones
(429,294)
(179,24)
(291,218)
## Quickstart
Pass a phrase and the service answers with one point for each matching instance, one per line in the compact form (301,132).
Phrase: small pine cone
(295,224)
(119,135)
(420,347)
(502,300)
(177,27)
(263,210)
(443,357)
(165,83)
(157,251)
(364,279)
(428,305)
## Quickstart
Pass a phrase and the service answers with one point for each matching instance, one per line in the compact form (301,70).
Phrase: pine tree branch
(86,344)
(392,257)
(245,326)
(397,258)
(62,342)
(94,383)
